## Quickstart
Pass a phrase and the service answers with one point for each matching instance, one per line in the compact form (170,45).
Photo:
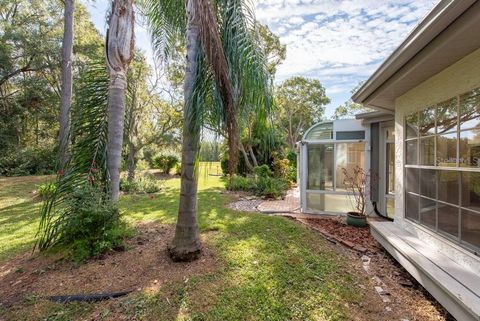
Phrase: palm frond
(88,162)
(166,20)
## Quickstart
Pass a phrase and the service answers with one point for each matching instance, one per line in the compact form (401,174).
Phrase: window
(320,167)
(320,131)
(442,168)
(349,156)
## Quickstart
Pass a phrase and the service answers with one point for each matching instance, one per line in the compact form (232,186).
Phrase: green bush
(143,165)
(96,226)
(46,190)
(164,162)
(263,171)
(264,186)
(28,161)
(142,183)
(281,168)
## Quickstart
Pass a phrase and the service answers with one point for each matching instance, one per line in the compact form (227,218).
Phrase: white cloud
(339,42)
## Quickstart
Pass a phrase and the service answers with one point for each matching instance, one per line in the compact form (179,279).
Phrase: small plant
(165,162)
(94,227)
(263,171)
(264,186)
(281,168)
(46,190)
(142,183)
(355,182)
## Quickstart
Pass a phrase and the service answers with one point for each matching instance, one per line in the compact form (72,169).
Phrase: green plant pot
(353,219)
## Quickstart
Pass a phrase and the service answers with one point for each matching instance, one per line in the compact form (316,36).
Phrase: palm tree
(225,74)
(119,50)
(66,88)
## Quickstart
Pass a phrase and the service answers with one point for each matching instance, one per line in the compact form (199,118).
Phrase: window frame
(456,167)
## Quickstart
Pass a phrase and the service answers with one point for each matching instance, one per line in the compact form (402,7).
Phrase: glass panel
(448,218)
(390,168)
(349,156)
(320,167)
(470,148)
(448,184)
(390,206)
(427,151)
(328,203)
(428,214)
(412,180)
(412,126)
(358,134)
(470,109)
(447,116)
(427,122)
(447,150)
(471,190)
(471,228)
(411,206)
(428,183)
(411,152)
(321,131)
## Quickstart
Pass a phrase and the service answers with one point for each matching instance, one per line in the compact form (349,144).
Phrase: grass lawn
(271,268)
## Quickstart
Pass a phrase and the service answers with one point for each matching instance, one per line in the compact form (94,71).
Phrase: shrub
(143,183)
(46,190)
(178,169)
(263,171)
(142,165)
(281,168)
(265,186)
(95,227)
(271,187)
(165,162)
(28,161)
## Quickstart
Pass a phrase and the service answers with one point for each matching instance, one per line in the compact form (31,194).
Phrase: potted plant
(355,182)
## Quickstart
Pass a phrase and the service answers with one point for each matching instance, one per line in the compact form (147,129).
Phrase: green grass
(272,268)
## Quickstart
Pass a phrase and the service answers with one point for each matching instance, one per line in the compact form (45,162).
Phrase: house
(431,84)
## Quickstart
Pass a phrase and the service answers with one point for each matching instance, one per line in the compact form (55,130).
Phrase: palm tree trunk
(186,244)
(120,45)
(66,91)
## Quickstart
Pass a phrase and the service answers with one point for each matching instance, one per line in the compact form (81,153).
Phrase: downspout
(374,203)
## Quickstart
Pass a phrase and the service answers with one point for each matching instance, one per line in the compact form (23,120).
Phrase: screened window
(442,168)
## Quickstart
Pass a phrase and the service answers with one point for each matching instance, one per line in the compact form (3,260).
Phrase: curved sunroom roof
(319,131)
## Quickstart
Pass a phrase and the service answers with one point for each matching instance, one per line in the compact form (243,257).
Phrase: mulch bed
(335,229)
(408,300)
(145,265)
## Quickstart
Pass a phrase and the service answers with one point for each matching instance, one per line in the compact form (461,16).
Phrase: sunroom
(325,149)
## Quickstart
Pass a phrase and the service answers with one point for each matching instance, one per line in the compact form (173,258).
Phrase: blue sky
(339,43)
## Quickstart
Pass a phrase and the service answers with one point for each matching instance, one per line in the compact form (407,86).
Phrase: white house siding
(457,79)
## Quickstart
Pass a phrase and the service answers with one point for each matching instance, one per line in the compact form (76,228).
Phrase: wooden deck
(455,287)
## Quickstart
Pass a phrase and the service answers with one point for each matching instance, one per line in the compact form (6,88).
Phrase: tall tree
(225,73)
(67,78)
(349,109)
(302,102)
(120,50)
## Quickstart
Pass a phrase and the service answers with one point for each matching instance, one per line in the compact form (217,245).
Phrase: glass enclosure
(442,171)
(326,190)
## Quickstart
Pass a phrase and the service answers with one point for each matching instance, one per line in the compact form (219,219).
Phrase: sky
(337,42)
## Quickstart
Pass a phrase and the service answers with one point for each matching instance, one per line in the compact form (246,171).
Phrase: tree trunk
(131,162)
(185,245)
(66,91)
(120,50)
(245,157)
(252,154)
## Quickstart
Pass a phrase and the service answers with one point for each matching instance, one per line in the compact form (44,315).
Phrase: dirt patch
(145,265)
(391,293)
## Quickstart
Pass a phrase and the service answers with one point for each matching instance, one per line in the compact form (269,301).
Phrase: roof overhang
(375,117)
(447,34)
